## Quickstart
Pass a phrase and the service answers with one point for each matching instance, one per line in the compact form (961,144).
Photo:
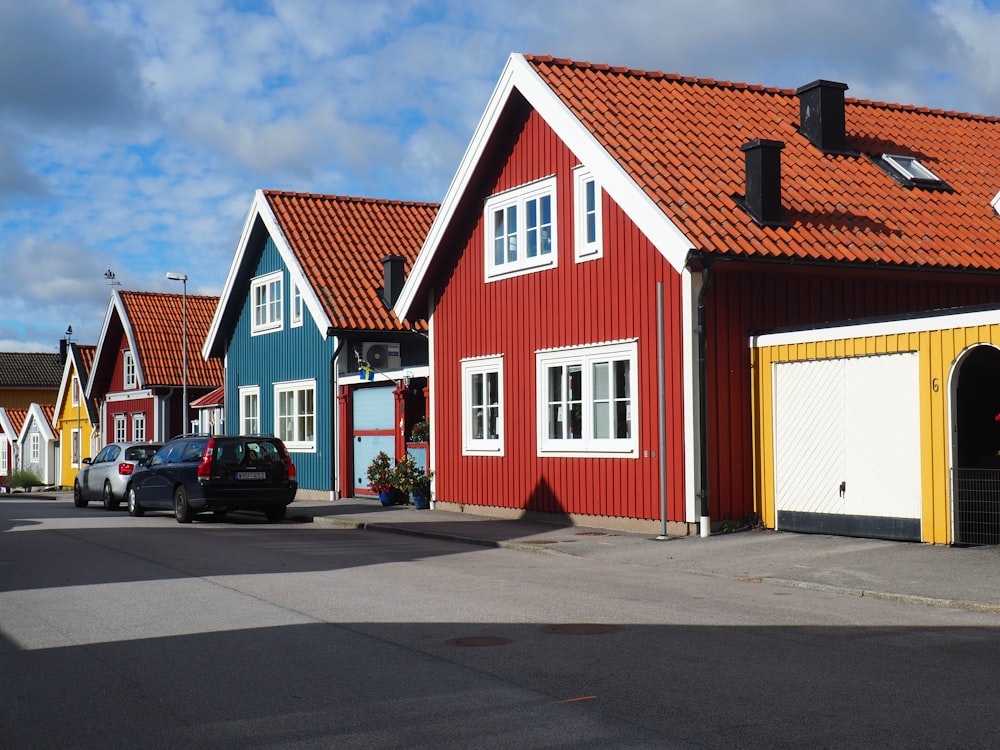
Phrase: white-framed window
(482,406)
(74,391)
(911,168)
(128,365)
(521,229)
(295,312)
(120,428)
(586,400)
(295,414)
(4,465)
(588,215)
(35,452)
(265,301)
(74,447)
(250,410)
(138,426)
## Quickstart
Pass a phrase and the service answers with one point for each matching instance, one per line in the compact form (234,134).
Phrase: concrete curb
(927,601)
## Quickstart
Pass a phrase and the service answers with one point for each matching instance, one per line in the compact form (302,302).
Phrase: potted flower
(380,477)
(420,432)
(413,480)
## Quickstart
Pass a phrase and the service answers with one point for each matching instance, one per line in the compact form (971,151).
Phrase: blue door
(374,416)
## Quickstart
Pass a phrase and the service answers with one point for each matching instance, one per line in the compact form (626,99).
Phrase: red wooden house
(612,238)
(137,377)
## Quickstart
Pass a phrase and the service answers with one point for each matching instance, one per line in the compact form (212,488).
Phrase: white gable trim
(7,427)
(261,209)
(518,74)
(36,416)
(115,307)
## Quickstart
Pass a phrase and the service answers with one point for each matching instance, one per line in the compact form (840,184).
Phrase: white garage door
(847,446)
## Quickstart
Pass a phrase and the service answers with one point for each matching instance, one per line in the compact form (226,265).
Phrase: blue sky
(133,133)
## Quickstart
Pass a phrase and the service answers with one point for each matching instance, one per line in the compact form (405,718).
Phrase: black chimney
(763,180)
(393,274)
(821,115)
(62,351)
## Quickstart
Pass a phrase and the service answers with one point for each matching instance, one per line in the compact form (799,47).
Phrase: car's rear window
(233,452)
(139,452)
(194,450)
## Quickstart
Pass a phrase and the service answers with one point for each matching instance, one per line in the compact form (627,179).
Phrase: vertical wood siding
(298,353)
(573,304)
(745,299)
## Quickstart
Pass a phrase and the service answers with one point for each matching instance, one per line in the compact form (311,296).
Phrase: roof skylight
(911,169)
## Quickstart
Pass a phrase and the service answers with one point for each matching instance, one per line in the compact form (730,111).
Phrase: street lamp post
(182,277)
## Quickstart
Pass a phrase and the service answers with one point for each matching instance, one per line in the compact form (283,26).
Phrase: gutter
(706,280)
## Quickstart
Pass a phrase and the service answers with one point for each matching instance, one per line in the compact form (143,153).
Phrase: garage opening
(976,407)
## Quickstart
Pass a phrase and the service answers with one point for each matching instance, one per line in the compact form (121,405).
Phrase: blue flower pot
(386,498)
(421,500)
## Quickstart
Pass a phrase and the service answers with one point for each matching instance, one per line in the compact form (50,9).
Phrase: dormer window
(910,169)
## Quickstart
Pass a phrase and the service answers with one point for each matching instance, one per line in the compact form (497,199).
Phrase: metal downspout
(705,521)
(661,385)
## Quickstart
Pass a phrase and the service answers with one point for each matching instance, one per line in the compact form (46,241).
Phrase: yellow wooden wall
(66,420)
(938,351)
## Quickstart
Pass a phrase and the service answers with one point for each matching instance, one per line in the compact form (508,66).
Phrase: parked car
(196,473)
(105,476)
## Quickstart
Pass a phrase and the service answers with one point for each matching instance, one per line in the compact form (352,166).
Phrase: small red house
(613,237)
(137,377)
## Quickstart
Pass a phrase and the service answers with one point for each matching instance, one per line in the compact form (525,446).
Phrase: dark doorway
(977,438)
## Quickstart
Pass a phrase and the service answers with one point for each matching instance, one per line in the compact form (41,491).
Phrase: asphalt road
(142,633)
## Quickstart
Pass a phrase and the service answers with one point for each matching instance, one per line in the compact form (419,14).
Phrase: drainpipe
(661,385)
(706,279)
(335,436)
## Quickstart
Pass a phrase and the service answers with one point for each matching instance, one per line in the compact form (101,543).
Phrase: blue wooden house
(312,350)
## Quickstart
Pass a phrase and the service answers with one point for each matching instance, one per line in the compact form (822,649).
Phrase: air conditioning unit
(381,355)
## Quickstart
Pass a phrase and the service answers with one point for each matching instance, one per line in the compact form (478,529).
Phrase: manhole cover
(591,533)
(582,628)
(540,541)
(479,640)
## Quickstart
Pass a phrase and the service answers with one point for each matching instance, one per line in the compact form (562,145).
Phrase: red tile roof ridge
(920,110)
(348,198)
(640,73)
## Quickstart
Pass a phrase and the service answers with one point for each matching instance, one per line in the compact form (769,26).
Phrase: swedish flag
(366,370)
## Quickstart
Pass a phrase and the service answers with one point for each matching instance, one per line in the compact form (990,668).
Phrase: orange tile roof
(49,411)
(17,417)
(86,354)
(340,242)
(679,139)
(156,321)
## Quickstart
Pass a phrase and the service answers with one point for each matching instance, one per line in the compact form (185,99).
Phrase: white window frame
(584,207)
(35,451)
(473,412)
(75,447)
(911,168)
(249,425)
(295,305)
(586,357)
(517,201)
(74,391)
(266,312)
(139,426)
(302,421)
(121,427)
(128,368)
(4,465)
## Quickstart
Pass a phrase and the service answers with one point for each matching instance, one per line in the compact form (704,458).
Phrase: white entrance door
(847,439)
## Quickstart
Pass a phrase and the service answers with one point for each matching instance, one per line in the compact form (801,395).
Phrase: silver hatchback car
(105,476)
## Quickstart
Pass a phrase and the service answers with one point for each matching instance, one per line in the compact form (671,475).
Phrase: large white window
(138,426)
(36,448)
(4,466)
(128,365)
(482,406)
(295,414)
(295,313)
(250,410)
(586,400)
(265,299)
(521,229)
(587,210)
(121,426)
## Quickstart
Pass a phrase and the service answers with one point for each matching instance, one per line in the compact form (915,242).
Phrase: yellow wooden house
(76,417)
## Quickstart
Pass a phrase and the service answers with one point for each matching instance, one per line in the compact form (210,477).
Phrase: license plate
(258,475)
